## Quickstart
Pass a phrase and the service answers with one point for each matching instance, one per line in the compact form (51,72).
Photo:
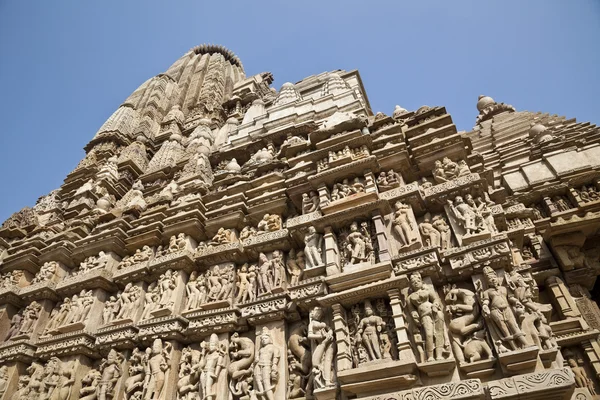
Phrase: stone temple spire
(487,108)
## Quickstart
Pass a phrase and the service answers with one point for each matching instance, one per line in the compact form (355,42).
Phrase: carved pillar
(561,298)
(7,311)
(14,370)
(382,237)
(323,194)
(344,352)
(370,186)
(405,352)
(592,351)
(332,258)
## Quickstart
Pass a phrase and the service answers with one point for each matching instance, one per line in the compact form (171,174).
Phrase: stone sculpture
(446,170)
(388,180)
(240,371)
(296,264)
(310,202)
(402,224)
(426,311)
(357,246)
(266,374)
(156,366)
(223,236)
(269,223)
(466,325)
(323,349)
(496,310)
(140,256)
(431,235)
(371,335)
(46,272)
(313,248)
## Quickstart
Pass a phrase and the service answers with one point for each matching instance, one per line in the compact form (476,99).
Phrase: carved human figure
(3,379)
(89,385)
(242,285)
(439,174)
(323,348)
(496,309)
(279,273)
(581,378)
(192,292)
(60,314)
(30,315)
(167,283)
(468,218)
(151,299)
(431,235)
(440,224)
(158,363)
(81,306)
(252,282)
(426,310)
(247,232)
(466,325)
(223,236)
(295,266)
(530,313)
(212,361)
(62,379)
(266,374)
(310,202)
(313,248)
(269,223)
(111,307)
(368,333)
(134,384)
(241,354)
(402,224)
(265,274)
(483,207)
(15,326)
(129,301)
(358,247)
(46,272)
(561,203)
(177,243)
(110,371)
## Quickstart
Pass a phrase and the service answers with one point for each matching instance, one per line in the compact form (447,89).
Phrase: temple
(225,240)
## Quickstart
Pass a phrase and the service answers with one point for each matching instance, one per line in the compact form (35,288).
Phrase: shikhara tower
(222,240)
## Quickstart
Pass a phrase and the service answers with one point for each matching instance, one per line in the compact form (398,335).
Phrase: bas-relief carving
(266,375)
(214,285)
(311,202)
(148,372)
(446,170)
(160,295)
(501,310)
(469,338)
(100,383)
(240,372)
(46,272)
(141,255)
(52,381)
(371,336)
(472,216)
(427,313)
(200,370)
(403,226)
(389,180)
(356,245)
(23,322)
(71,310)
(124,306)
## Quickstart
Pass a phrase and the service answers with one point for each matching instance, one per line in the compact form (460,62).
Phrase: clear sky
(65,66)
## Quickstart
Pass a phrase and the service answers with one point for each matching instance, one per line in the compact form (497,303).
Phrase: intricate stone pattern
(222,240)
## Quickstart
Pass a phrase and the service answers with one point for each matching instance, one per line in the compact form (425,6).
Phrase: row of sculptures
(503,306)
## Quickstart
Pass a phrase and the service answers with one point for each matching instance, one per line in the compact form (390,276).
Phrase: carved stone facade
(223,240)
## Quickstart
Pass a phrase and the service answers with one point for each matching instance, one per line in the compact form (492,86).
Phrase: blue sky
(65,66)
